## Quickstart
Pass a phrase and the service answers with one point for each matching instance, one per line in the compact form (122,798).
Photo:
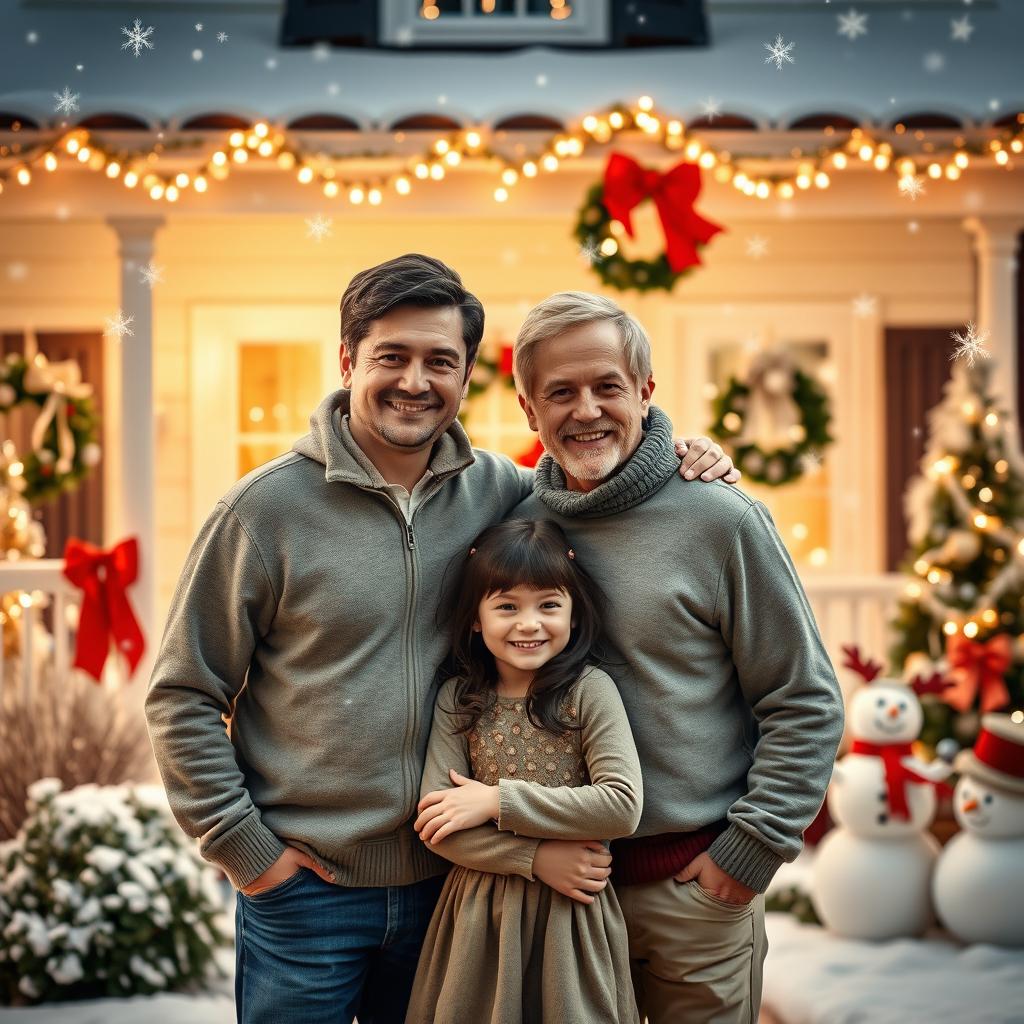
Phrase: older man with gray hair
(733,701)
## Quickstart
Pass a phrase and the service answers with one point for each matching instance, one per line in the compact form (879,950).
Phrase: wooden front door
(77,513)
(917,365)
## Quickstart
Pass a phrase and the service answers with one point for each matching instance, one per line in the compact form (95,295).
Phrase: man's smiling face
(409,376)
(585,404)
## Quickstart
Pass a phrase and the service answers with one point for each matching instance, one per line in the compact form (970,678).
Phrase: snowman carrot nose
(894,712)
(971,805)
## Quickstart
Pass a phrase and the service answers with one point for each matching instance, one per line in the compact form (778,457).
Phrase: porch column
(135,497)
(995,244)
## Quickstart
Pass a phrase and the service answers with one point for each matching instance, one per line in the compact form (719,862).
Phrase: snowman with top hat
(872,873)
(978,886)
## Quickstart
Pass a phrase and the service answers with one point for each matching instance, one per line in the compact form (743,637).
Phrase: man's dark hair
(410,280)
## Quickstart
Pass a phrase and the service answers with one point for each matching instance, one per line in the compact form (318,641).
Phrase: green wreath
(782,465)
(485,372)
(594,227)
(39,475)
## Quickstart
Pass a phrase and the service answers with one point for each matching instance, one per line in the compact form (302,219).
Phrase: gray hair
(564,311)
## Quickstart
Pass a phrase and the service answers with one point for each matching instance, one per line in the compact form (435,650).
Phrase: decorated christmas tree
(962,613)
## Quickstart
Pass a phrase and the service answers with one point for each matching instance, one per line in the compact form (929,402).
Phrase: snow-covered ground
(814,977)
(811,977)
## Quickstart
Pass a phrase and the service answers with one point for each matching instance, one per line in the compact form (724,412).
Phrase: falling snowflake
(865,305)
(31,38)
(199,26)
(778,53)
(333,89)
(960,29)
(321,51)
(712,107)
(318,227)
(222,37)
(541,80)
(911,186)
(197,55)
(590,251)
(138,38)
(67,101)
(934,62)
(118,326)
(17,271)
(404,36)
(970,345)
(913,227)
(853,24)
(810,462)
(271,63)
(757,246)
(151,274)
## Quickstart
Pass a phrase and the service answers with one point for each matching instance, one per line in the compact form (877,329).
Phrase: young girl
(527,739)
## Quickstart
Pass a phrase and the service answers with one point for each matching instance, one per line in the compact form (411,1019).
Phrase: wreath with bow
(626,184)
(64,445)
(775,422)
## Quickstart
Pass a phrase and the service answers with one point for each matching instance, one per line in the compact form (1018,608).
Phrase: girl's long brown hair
(532,553)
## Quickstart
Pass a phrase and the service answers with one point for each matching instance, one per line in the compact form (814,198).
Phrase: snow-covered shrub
(101,894)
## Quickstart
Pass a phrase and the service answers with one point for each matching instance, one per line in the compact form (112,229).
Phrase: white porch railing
(855,610)
(38,649)
(848,609)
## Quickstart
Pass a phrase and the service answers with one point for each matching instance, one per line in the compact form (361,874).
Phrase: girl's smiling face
(524,628)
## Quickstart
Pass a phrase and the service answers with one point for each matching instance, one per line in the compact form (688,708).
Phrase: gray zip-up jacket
(307,614)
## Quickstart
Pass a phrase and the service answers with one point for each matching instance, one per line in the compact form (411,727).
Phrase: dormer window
(495,22)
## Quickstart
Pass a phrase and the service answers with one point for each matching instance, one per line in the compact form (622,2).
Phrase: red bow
(532,457)
(977,669)
(897,774)
(106,613)
(626,183)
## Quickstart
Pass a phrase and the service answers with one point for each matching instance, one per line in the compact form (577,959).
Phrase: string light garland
(447,152)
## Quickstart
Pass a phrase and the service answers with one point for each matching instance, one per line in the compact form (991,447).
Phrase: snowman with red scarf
(872,873)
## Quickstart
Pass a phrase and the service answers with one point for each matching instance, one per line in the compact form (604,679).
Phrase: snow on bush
(102,895)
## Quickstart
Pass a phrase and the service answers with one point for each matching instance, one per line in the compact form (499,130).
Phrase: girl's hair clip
(472,552)
(572,554)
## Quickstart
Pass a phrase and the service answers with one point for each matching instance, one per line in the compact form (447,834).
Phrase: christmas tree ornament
(979,878)
(872,872)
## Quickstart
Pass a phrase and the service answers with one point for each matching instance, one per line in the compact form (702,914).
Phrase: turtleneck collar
(648,469)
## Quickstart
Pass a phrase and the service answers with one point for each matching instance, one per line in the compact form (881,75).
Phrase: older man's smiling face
(584,403)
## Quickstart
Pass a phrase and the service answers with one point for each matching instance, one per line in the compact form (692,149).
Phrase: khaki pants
(694,958)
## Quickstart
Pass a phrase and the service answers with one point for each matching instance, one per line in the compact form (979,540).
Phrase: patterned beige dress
(504,948)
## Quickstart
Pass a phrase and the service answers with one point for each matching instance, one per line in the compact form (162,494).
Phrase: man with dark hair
(306,614)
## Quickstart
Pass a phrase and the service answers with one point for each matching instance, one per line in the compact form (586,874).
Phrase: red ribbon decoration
(897,774)
(531,457)
(106,614)
(626,184)
(977,670)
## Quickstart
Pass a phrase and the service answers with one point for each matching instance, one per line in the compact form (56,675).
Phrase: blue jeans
(308,952)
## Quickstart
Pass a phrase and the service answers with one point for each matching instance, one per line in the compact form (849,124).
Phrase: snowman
(871,874)
(979,881)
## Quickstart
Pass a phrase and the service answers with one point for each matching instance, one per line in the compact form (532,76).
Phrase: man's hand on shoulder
(705,459)
(712,879)
(289,863)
